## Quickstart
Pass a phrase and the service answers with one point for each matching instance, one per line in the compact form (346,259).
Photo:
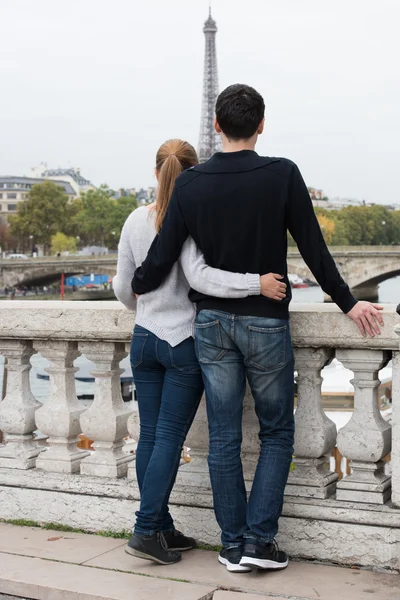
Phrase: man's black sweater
(238,207)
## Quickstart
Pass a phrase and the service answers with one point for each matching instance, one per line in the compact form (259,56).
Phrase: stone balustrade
(354,521)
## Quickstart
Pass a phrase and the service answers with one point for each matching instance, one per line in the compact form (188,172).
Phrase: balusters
(17,410)
(195,473)
(396,427)
(315,433)
(133,428)
(59,416)
(106,419)
(366,439)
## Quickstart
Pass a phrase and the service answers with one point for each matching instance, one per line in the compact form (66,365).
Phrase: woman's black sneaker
(230,557)
(263,556)
(177,541)
(152,547)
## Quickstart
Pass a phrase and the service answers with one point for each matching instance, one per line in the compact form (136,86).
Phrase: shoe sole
(138,554)
(261,563)
(233,568)
(182,549)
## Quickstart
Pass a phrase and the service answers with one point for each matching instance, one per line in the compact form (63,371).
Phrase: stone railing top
(313,325)
(67,320)
(44,260)
(354,250)
(324,325)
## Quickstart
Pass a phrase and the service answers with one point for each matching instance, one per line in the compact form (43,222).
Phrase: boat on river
(297,282)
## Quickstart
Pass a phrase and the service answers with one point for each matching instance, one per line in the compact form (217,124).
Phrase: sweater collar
(229,162)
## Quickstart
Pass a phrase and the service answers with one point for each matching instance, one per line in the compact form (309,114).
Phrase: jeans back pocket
(183,357)
(209,342)
(267,347)
(137,348)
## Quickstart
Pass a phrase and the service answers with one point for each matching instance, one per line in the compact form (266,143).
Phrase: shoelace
(162,541)
(276,547)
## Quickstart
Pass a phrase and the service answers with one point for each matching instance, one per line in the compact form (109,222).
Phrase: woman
(167,375)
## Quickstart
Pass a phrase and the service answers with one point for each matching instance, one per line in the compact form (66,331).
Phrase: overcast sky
(100,84)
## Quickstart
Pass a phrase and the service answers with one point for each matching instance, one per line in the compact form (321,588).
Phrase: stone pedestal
(366,439)
(315,434)
(17,410)
(106,420)
(395,462)
(59,417)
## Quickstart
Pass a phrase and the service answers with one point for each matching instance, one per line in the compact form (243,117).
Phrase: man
(238,207)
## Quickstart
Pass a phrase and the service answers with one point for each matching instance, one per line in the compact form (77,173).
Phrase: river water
(389,292)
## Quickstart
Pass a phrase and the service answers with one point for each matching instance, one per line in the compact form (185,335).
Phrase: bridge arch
(376,274)
(39,276)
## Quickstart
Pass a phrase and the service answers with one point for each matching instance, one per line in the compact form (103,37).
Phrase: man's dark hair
(239,111)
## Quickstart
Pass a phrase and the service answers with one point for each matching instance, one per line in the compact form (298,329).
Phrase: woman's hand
(272,287)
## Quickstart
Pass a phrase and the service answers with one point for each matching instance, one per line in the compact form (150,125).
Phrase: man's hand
(367,316)
(272,287)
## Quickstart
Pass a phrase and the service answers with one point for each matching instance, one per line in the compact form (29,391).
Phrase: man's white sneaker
(231,557)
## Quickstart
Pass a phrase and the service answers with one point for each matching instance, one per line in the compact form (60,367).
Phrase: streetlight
(34,253)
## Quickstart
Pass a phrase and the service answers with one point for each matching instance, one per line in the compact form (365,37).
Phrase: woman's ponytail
(173,157)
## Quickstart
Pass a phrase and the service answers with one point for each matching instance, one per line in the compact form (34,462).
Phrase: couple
(208,260)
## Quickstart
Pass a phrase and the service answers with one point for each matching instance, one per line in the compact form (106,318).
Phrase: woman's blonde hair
(173,157)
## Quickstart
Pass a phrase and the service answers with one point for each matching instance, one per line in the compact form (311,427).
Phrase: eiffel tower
(209,141)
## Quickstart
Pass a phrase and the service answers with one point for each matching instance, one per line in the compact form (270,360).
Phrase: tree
(328,228)
(99,217)
(93,217)
(124,206)
(46,212)
(62,243)
(6,239)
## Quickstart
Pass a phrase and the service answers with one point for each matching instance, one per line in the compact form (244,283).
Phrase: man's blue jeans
(169,388)
(230,349)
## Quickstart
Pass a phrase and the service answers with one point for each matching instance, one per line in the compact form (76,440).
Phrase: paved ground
(49,565)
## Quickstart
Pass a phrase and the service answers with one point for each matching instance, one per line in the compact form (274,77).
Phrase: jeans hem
(257,538)
(146,532)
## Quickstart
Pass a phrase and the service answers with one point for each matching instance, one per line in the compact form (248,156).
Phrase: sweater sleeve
(164,251)
(305,229)
(215,282)
(125,270)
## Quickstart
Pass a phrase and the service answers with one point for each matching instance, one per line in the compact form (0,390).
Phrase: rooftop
(23,183)
(75,174)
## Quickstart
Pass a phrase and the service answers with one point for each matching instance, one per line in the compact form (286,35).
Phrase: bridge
(363,267)
(47,270)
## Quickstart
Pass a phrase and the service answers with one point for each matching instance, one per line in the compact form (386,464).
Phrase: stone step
(40,579)
(41,564)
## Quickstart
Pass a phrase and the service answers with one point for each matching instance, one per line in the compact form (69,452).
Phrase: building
(16,189)
(316,194)
(73,176)
(146,196)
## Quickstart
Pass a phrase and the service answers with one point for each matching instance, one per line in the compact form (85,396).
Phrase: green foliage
(62,243)
(46,212)
(99,218)
(121,211)
(119,535)
(363,225)
(93,215)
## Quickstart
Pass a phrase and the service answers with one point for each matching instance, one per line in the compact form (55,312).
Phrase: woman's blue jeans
(169,387)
